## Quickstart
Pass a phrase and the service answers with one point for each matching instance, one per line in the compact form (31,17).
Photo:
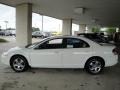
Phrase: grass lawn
(3,40)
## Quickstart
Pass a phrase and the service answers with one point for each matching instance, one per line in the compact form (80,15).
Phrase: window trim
(63,42)
(36,48)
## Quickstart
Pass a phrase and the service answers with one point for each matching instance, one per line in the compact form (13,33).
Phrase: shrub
(3,40)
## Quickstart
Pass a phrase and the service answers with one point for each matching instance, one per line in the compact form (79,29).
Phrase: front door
(48,54)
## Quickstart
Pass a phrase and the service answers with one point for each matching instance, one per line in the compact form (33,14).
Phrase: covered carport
(83,12)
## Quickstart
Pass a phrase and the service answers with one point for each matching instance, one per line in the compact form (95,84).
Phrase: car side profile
(37,34)
(97,37)
(61,52)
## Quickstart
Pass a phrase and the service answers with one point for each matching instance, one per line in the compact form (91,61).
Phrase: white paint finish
(24,24)
(15,51)
(74,57)
(67,27)
(46,58)
(106,53)
(63,58)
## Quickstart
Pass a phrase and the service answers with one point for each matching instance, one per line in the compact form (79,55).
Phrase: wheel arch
(18,55)
(95,57)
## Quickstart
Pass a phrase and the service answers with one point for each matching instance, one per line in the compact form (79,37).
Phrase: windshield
(34,44)
(31,45)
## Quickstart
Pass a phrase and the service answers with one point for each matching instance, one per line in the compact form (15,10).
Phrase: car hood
(15,49)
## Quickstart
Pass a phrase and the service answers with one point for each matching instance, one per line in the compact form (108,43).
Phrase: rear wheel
(94,65)
(19,64)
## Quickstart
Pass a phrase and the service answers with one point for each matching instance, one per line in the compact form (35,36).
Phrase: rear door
(76,53)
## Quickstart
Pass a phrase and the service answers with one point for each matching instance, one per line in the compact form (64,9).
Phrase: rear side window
(76,43)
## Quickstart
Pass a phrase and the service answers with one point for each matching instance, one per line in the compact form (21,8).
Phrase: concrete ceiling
(100,12)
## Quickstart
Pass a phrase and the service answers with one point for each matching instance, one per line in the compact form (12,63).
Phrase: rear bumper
(111,61)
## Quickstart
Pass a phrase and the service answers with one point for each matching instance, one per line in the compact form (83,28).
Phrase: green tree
(111,30)
(95,29)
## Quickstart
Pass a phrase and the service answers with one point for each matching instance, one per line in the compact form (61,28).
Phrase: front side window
(76,43)
(52,44)
(55,41)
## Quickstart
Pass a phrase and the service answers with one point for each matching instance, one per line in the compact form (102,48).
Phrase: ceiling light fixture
(94,20)
(79,10)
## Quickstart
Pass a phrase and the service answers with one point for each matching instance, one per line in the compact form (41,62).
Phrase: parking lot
(55,79)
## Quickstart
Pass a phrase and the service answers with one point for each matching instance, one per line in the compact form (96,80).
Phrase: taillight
(115,51)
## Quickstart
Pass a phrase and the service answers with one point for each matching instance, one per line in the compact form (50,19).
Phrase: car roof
(67,36)
(77,37)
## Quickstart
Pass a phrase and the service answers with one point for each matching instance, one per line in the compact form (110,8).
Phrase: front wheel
(19,64)
(94,66)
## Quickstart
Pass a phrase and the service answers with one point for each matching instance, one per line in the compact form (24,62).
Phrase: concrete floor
(57,79)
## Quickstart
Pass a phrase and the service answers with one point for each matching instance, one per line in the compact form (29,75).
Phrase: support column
(118,29)
(67,27)
(89,29)
(24,24)
(82,28)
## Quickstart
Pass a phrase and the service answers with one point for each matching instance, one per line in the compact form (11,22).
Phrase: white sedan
(61,52)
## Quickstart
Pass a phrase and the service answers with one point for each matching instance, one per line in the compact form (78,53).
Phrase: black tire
(94,65)
(19,64)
